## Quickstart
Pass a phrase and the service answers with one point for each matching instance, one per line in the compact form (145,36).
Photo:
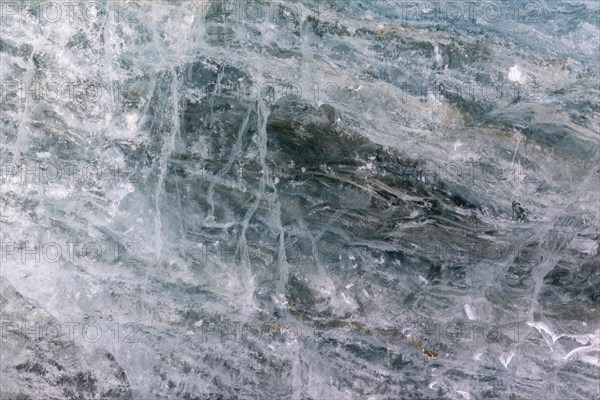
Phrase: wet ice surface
(351,200)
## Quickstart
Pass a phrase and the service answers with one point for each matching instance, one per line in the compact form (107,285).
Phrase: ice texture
(353,199)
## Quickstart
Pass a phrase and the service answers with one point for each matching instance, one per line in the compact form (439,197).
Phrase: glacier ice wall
(353,199)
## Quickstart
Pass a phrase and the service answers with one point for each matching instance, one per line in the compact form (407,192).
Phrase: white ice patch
(542,328)
(439,60)
(58,192)
(470,312)
(516,75)
(505,358)
(367,166)
(589,354)
(415,214)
